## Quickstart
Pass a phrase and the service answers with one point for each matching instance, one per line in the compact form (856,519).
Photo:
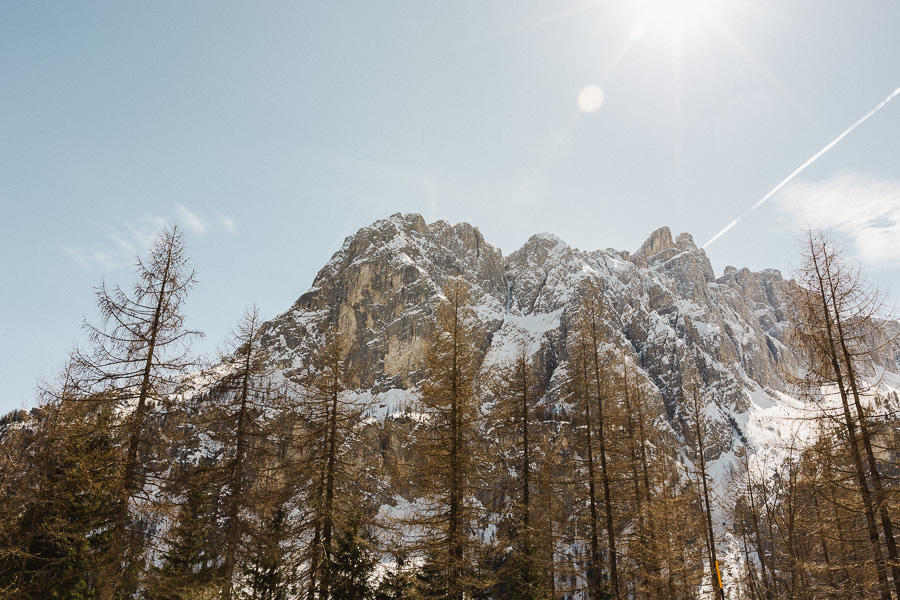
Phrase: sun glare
(673,16)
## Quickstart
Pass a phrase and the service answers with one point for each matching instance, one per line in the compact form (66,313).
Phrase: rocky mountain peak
(548,241)
(537,251)
(411,221)
(658,241)
(380,289)
(685,241)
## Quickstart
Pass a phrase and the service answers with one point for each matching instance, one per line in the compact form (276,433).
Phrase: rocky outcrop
(380,289)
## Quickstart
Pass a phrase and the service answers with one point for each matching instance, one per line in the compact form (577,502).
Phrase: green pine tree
(524,580)
(191,560)
(266,577)
(350,565)
(398,582)
(430,579)
(57,499)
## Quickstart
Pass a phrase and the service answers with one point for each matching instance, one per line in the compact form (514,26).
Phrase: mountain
(664,307)
(293,465)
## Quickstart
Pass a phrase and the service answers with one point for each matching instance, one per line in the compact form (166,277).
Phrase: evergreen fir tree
(449,446)
(524,580)
(57,471)
(349,566)
(335,482)
(191,560)
(137,351)
(398,582)
(430,579)
(266,576)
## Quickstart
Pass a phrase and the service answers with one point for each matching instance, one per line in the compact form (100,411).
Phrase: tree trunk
(711,539)
(236,482)
(595,576)
(607,496)
(878,487)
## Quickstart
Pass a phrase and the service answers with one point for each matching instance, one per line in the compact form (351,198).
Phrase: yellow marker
(718,575)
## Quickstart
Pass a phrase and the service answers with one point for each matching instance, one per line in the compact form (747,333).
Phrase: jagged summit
(546,240)
(661,239)
(658,241)
(685,241)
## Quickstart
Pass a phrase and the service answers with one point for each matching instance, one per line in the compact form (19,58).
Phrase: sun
(673,16)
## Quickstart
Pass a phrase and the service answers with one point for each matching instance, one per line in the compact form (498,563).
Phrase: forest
(141,473)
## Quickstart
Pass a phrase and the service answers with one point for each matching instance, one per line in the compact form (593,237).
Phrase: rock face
(381,288)
(663,305)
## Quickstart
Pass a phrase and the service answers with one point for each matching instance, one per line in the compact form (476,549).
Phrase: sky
(270,131)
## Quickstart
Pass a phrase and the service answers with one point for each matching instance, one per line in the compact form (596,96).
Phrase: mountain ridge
(665,309)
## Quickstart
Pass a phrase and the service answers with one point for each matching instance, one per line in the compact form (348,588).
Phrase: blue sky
(272,130)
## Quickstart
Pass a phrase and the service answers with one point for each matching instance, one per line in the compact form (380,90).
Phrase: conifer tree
(448,444)
(272,550)
(553,482)
(590,383)
(640,434)
(516,387)
(748,514)
(336,491)
(398,582)
(580,389)
(269,572)
(350,564)
(56,467)
(702,475)
(244,404)
(838,327)
(678,514)
(841,519)
(189,564)
(138,349)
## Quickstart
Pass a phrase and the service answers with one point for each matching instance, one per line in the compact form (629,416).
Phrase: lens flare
(591,98)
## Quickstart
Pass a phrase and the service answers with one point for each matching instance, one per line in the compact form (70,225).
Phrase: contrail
(803,166)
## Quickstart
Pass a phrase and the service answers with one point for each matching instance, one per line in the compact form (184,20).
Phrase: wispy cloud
(863,208)
(134,236)
(226,223)
(189,220)
(91,259)
(120,242)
